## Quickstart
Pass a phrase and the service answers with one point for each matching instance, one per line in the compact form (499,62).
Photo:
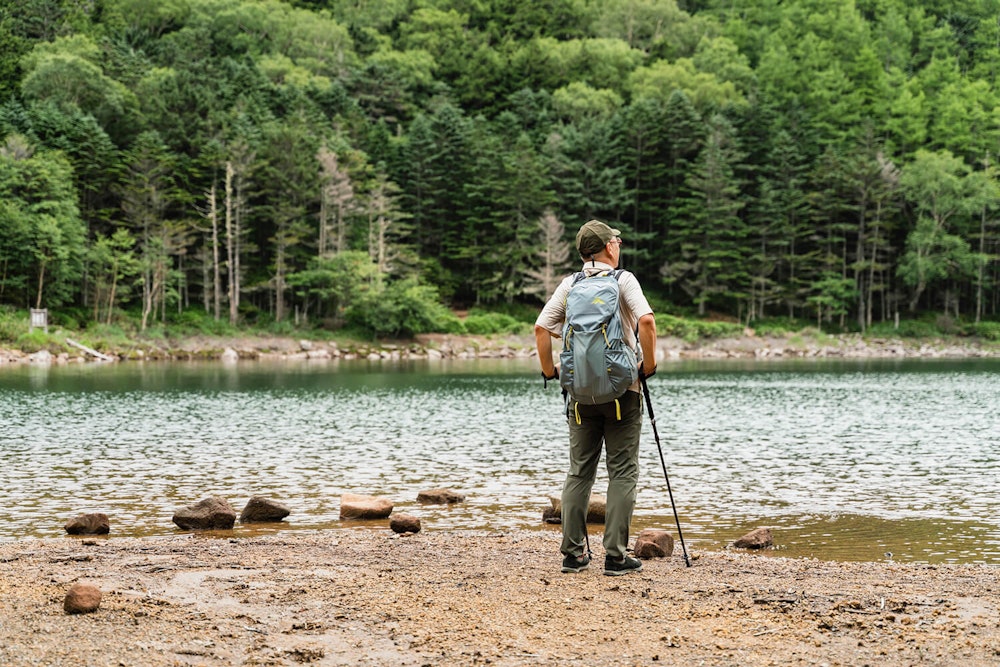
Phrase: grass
(124,335)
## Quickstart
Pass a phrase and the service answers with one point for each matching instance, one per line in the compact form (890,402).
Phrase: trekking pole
(656,436)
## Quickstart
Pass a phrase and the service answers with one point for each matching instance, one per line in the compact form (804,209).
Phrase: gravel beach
(371,597)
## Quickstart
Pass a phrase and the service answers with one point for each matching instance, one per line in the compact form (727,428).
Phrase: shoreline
(475,598)
(436,347)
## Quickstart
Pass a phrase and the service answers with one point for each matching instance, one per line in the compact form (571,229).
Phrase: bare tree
(336,203)
(553,257)
(385,225)
(238,170)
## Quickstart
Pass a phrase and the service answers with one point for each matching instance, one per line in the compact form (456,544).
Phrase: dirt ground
(370,597)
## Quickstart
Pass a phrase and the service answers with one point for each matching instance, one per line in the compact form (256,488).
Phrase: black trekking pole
(656,436)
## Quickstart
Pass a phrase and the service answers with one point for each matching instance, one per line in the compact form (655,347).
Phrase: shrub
(13,323)
(38,339)
(778,326)
(484,324)
(403,308)
(907,329)
(692,330)
(986,330)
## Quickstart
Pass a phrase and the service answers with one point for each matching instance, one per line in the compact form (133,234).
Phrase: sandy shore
(370,597)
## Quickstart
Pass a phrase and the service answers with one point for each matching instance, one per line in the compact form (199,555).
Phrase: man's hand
(643,373)
(546,378)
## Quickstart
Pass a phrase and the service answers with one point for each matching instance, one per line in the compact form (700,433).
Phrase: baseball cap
(593,236)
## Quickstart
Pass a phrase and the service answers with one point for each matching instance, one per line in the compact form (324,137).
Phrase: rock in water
(209,514)
(758,538)
(354,506)
(89,524)
(440,497)
(262,509)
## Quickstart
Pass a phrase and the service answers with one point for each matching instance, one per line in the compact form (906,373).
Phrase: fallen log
(89,350)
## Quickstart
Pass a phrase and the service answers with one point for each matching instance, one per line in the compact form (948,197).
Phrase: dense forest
(367,163)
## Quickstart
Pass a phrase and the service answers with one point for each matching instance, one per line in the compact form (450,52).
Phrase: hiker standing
(616,422)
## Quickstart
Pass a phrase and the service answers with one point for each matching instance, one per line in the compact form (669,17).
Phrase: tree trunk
(41,284)
(216,274)
(230,245)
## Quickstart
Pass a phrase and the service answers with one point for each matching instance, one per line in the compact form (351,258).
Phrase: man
(617,424)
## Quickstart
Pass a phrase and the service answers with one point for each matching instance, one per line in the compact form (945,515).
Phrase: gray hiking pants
(597,424)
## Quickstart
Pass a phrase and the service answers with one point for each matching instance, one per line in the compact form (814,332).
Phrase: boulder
(82,599)
(653,543)
(758,538)
(40,357)
(440,497)
(229,355)
(262,509)
(596,509)
(404,523)
(354,506)
(89,524)
(210,514)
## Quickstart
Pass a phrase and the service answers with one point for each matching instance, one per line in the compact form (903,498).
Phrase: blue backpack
(597,365)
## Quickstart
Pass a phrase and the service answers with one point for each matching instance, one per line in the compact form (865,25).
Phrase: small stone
(89,524)
(82,599)
(404,523)
(653,543)
(759,538)
(440,497)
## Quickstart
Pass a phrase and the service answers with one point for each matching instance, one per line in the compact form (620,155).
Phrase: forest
(381,164)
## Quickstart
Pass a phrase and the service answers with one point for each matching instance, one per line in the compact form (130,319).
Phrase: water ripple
(798,447)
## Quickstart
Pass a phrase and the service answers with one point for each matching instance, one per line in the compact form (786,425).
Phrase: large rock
(404,523)
(262,509)
(758,538)
(354,506)
(440,497)
(653,543)
(89,524)
(209,514)
(82,599)
(596,509)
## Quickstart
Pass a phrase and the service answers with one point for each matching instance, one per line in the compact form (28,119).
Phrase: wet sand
(370,597)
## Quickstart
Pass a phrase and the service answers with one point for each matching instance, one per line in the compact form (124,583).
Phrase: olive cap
(593,236)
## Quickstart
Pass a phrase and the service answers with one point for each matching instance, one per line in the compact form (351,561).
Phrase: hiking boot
(576,564)
(616,568)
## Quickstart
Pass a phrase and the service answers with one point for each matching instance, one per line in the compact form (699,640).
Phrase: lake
(845,460)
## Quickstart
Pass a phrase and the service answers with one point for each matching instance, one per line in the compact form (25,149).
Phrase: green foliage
(795,158)
(906,329)
(778,326)
(197,321)
(484,323)
(39,339)
(13,323)
(986,330)
(693,330)
(403,308)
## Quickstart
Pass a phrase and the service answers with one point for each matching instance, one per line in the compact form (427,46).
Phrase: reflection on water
(846,460)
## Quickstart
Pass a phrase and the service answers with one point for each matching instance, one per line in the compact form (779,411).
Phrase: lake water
(847,460)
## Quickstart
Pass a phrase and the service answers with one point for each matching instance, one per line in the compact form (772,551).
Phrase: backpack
(597,365)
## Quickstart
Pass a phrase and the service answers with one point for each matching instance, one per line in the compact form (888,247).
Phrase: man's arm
(543,343)
(647,341)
